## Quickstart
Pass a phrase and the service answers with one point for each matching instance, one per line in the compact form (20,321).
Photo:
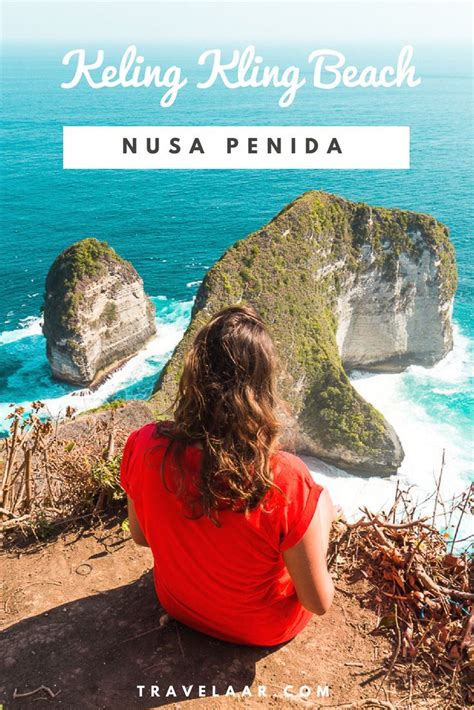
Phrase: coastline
(106,373)
(423,436)
(313,161)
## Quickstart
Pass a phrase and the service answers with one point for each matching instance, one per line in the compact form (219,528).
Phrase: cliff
(341,285)
(96,313)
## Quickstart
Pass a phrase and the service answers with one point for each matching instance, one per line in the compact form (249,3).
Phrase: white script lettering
(330,71)
(130,73)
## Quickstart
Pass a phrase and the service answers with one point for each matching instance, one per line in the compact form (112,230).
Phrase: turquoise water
(173,225)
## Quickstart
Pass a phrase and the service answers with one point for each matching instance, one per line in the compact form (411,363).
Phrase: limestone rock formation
(96,313)
(341,285)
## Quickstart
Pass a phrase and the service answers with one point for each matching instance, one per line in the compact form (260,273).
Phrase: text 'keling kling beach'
(246,69)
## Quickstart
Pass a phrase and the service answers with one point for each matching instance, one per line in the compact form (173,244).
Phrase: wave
(418,403)
(421,403)
(457,368)
(29,327)
(172,318)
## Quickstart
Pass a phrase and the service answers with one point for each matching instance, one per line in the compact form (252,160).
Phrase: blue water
(173,225)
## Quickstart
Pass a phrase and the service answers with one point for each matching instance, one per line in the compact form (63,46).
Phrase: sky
(314,21)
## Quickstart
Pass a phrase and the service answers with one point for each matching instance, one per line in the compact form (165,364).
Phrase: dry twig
(421,595)
(44,688)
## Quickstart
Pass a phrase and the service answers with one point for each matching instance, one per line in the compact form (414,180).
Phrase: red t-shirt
(231,581)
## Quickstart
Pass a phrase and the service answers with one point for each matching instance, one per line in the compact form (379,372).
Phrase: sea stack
(341,285)
(96,313)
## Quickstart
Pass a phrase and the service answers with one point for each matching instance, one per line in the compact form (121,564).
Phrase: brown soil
(81,618)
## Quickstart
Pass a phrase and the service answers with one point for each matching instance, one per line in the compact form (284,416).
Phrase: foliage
(78,264)
(292,271)
(50,472)
(109,314)
(106,474)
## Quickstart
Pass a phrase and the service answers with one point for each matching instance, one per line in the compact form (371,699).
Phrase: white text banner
(236,147)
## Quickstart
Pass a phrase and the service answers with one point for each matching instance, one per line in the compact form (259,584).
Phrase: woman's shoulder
(139,443)
(295,509)
(287,468)
(286,459)
(149,433)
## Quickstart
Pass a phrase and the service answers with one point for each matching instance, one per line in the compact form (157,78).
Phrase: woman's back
(229,581)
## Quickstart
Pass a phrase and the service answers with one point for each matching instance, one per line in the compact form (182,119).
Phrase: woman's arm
(135,529)
(306,561)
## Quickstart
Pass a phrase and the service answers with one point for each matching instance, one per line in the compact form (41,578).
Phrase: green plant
(106,476)
(301,262)
(109,314)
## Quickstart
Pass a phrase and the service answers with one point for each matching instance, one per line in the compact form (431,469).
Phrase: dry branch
(421,595)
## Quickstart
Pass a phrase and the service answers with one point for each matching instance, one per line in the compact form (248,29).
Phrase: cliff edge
(341,285)
(96,313)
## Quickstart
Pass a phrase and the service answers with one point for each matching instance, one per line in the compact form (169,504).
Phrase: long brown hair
(226,404)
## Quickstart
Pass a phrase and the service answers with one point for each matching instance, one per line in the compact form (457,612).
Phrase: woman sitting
(238,528)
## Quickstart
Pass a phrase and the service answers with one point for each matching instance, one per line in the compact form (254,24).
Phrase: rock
(341,285)
(96,313)
(388,324)
(126,415)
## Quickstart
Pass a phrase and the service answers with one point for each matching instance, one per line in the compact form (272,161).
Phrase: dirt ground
(80,617)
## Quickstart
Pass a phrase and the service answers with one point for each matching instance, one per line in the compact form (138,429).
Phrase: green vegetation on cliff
(81,262)
(96,313)
(292,271)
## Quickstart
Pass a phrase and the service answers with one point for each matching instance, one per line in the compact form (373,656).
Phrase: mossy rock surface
(293,271)
(96,314)
(70,274)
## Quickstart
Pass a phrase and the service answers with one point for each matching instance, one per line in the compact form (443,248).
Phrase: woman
(238,528)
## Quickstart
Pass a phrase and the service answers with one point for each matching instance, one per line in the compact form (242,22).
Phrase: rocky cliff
(96,313)
(341,285)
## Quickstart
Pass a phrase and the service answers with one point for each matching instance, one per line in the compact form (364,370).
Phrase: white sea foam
(171,324)
(455,369)
(29,327)
(424,436)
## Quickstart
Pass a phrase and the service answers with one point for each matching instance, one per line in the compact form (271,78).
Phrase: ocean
(173,226)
